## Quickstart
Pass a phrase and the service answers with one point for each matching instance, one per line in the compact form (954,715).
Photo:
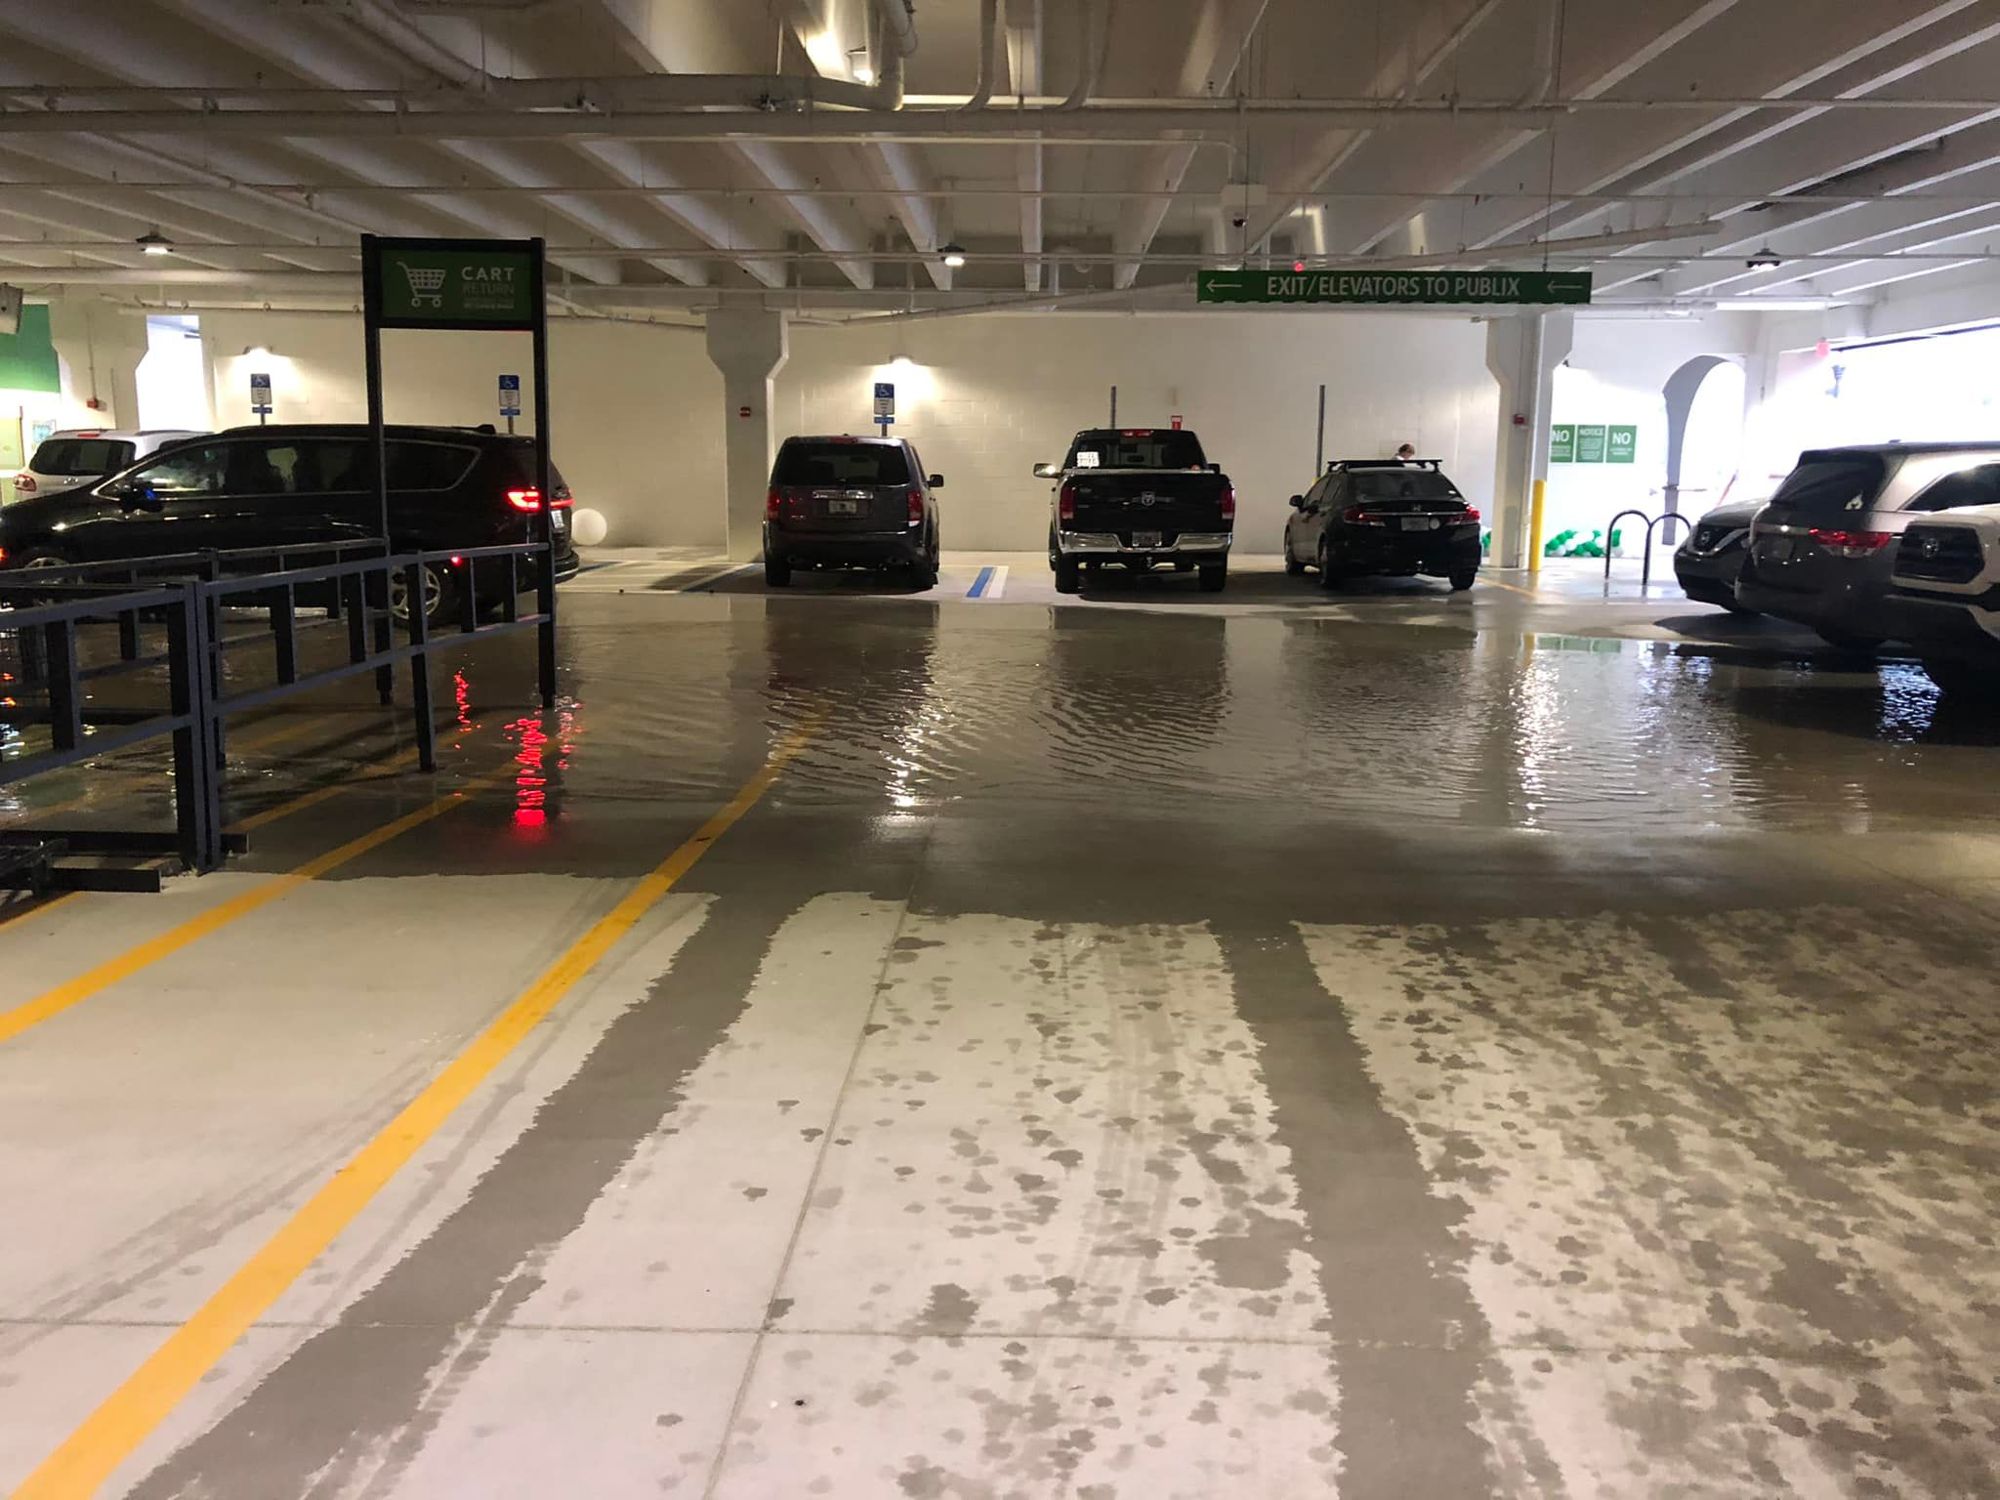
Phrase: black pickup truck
(1139,496)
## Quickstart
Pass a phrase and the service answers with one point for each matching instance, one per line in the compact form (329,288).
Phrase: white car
(71,459)
(1944,599)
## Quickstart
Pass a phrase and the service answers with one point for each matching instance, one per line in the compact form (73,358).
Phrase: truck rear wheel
(1213,577)
(777,570)
(1068,576)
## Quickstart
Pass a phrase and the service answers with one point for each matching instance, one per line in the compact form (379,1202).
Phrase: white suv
(1945,598)
(71,459)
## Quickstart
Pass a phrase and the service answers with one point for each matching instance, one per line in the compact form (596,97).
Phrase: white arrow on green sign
(1436,288)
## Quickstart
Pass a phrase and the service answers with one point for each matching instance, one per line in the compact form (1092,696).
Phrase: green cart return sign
(454,283)
(1445,288)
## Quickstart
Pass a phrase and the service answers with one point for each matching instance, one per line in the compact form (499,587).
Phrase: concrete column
(1522,353)
(749,347)
(100,347)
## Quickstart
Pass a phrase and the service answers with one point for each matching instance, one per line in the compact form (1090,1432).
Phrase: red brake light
(528,499)
(1066,502)
(1228,503)
(24,483)
(774,505)
(1360,515)
(1849,543)
(916,507)
(1472,513)
(1135,432)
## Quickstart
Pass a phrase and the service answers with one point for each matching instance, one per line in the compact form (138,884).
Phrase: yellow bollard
(1535,526)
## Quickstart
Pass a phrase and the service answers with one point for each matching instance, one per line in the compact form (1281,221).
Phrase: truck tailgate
(1123,500)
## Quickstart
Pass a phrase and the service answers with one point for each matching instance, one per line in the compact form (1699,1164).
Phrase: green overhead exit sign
(1436,288)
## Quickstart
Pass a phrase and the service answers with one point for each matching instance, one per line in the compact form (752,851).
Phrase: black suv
(850,502)
(294,486)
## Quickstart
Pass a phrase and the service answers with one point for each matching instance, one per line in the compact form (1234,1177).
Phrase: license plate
(1145,539)
(560,521)
(1418,523)
(843,507)
(1778,549)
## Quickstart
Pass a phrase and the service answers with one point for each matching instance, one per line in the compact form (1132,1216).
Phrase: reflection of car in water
(1709,560)
(1137,496)
(1116,717)
(1945,599)
(1383,516)
(1821,553)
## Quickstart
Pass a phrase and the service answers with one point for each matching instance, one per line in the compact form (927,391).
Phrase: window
(194,470)
(424,466)
(1317,495)
(268,468)
(1402,484)
(1830,487)
(1137,450)
(81,457)
(1978,485)
(841,464)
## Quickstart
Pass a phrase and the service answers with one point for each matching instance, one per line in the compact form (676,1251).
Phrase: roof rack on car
(1334,464)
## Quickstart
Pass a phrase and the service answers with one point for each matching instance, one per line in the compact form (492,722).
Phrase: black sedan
(1386,517)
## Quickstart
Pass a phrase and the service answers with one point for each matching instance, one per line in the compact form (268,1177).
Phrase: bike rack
(1645,557)
(44,610)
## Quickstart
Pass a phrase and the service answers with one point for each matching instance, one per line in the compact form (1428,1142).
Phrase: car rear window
(841,463)
(74,456)
(1831,487)
(1137,450)
(1402,484)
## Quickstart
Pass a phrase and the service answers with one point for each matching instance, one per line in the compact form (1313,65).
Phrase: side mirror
(1046,471)
(936,481)
(1298,502)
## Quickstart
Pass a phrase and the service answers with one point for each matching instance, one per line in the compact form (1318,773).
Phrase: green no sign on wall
(1593,443)
(1620,444)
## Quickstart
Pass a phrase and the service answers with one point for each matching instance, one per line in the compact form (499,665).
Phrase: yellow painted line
(108,1436)
(1512,588)
(93,981)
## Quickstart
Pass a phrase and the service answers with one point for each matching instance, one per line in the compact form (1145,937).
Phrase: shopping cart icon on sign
(426,285)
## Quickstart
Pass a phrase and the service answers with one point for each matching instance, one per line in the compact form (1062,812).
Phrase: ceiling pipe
(1086,56)
(989,27)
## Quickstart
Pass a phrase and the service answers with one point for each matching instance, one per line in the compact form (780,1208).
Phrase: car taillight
(1228,504)
(1066,502)
(528,499)
(916,507)
(24,484)
(774,505)
(1849,543)
(1360,515)
(1471,515)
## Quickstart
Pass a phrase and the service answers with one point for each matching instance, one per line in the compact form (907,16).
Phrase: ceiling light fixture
(954,254)
(1765,259)
(152,242)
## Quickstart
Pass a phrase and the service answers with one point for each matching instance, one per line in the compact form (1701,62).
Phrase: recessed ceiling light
(1765,259)
(152,242)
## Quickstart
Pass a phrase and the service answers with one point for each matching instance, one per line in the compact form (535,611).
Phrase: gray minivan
(1821,552)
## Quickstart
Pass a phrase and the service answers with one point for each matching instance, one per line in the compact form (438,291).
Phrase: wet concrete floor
(1408,1046)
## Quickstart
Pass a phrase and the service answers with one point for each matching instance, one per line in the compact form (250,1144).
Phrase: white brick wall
(985,398)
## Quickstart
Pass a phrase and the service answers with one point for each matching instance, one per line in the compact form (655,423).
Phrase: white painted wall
(1616,372)
(636,410)
(985,398)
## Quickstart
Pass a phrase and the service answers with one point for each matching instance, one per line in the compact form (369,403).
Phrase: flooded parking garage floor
(924,1047)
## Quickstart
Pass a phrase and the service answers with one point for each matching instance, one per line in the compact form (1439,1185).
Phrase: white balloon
(588,527)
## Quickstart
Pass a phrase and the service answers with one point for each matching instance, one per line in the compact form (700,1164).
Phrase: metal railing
(1646,552)
(194,596)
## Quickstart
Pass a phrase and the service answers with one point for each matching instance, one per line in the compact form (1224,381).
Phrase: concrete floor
(1538,1042)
